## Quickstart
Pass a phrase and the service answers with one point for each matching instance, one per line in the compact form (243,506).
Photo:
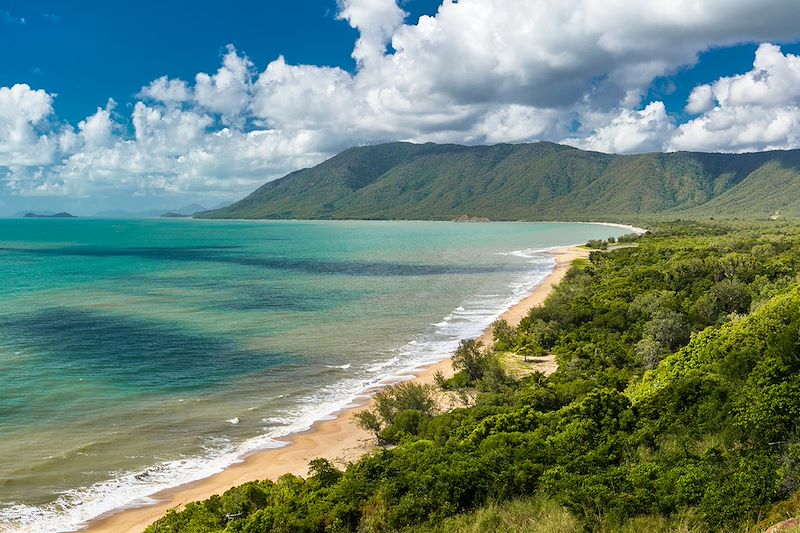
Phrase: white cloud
(376,21)
(96,130)
(226,92)
(758,110)
(21,110)
(520,123)
(22,101)
(701,99)
(630,131)
(774,81)
(479,71)
(166,90)
(168,130)
(304,97)
(740,129)
(553,54)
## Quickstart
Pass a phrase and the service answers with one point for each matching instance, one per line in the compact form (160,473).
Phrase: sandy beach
(339,440)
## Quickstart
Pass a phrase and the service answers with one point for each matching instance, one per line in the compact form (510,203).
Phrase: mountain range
(538,181)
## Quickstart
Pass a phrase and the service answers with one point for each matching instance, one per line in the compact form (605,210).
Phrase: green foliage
(399,410)
(393,400)
(596,244)
(538,336)
(369,421)
(477,366)
(471,358)
(650,352)
(323,472)
(725,297)
(504,336)
(534,515)
(675,407)
(628,238)
(669,328)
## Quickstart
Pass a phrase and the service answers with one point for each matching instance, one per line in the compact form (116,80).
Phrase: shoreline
(339,439)
(633,229)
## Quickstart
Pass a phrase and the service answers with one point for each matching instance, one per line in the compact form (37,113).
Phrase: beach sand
(339,440)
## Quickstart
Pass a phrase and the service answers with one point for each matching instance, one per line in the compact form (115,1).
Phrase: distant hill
(63,214)
(185,211)
(21,214)
(540,181)
(121,213)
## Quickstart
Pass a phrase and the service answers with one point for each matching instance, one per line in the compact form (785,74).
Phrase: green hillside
(541,181)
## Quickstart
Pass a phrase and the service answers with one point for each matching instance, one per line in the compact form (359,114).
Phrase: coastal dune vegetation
(674,408)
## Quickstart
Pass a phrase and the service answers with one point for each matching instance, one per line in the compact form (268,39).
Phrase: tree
(727,296)
(390,402)
(369,421)
(471,358)
(650,351)
(669,328)
(504,335)
(323,472)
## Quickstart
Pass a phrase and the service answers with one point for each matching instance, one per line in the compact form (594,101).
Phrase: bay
(138,355)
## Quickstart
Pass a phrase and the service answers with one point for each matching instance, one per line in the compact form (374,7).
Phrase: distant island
(538,181)
(171,212)
(62,214)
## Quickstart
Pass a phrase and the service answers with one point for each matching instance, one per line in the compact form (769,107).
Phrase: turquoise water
(138,355)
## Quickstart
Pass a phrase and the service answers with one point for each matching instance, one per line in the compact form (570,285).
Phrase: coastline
(633,229)
(339,440)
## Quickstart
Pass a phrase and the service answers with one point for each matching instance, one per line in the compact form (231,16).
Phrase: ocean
(137,355)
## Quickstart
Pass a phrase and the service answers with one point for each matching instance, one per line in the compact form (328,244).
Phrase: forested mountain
(540,181)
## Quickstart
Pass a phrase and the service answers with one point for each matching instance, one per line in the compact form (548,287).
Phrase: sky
(150,105)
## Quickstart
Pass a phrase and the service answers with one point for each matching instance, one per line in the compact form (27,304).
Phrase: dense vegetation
(541,181)
(675,405)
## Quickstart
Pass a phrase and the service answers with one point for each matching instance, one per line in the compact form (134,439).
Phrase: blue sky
(62,46)
(674,89)
(148,104)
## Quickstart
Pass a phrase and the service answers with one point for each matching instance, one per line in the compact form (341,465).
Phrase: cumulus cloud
(552,54)
(773,81)
(22,109)
(22,101)
(701,99)
(226,92)
(376,21)
(96,130)
(630,131)
(166,90)
(478,71)
(758,110)
(517,122)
